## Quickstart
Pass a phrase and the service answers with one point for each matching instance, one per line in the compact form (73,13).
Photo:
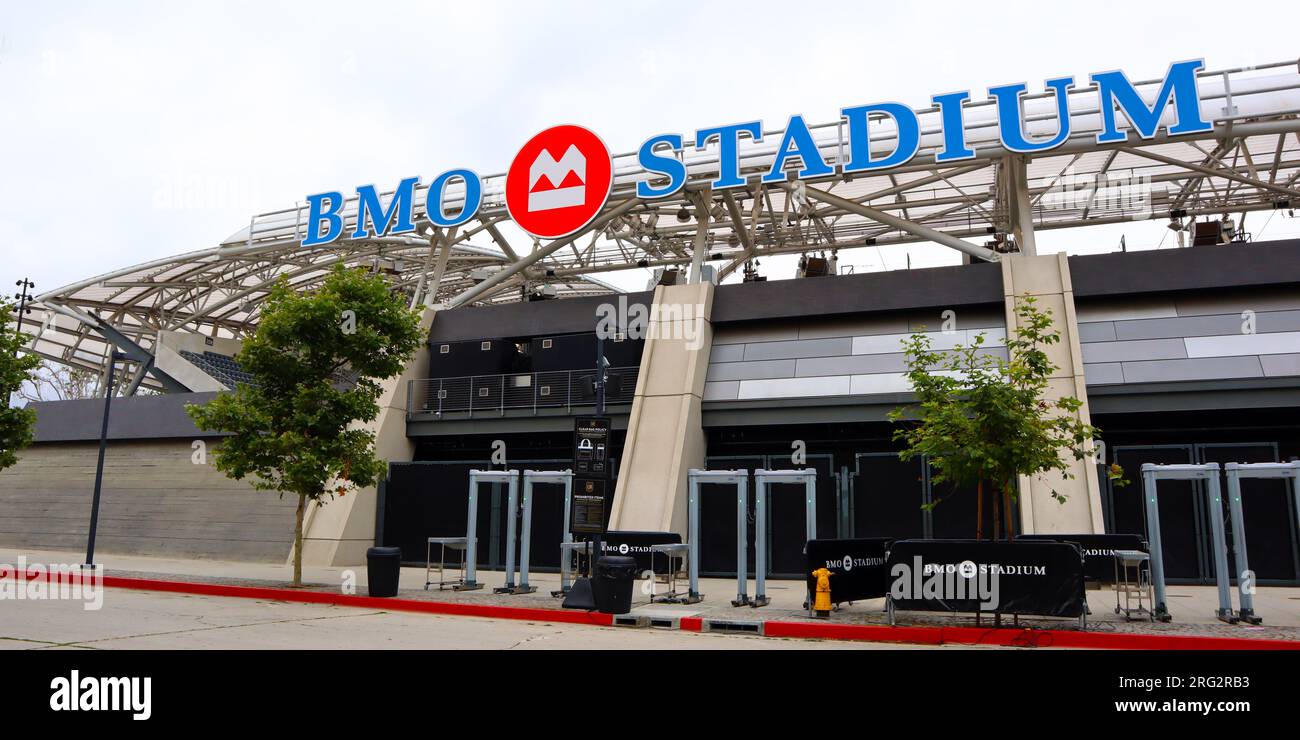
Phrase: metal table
(455,543)
(568,551)
(1138,565)
(680,552)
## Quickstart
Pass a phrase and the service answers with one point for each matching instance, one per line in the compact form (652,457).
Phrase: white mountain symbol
(545,199)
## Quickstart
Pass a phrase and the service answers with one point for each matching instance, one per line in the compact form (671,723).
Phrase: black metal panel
(962,285)
(531,319)
(887,497)
(1194,268)
(564,352)
(487,356)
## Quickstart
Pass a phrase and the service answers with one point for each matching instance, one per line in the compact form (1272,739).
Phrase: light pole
(99,468)
(23,298)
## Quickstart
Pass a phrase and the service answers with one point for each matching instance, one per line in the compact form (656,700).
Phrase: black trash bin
(383,566)
(611,588)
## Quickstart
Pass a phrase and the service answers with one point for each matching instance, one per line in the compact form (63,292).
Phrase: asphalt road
(148,620)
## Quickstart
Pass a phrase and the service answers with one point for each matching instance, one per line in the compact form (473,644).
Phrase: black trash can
(611,588)
(383,566)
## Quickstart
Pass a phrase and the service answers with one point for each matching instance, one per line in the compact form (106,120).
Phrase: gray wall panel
(727,353)
(799,348)
(1146,349)
(722,391)
(1208,368)
(1103,373)
(755,370)
(1099,331)
(1280,365)
(851,365)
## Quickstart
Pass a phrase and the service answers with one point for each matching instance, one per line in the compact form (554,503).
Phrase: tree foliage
(294,428)
(16,368)
(982,419)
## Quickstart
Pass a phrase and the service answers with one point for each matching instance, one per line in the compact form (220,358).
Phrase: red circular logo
(558,181)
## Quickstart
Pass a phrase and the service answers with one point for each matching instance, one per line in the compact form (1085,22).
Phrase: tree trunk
(997,521)
(1006,499)
(297,540)
(979,510)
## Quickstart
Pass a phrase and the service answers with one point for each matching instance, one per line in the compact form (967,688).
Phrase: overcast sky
(131,131)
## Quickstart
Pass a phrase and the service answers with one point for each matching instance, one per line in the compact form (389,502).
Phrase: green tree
(295,427)
(16,367)
(981,420)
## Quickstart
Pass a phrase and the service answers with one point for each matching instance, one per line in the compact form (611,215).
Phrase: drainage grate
(664,623)
(630,620)
(733,626)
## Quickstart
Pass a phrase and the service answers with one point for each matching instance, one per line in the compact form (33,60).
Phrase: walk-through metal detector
(511,479)
(763,479)
(1209,472)
(531,477)
(739,479)
(1235,472)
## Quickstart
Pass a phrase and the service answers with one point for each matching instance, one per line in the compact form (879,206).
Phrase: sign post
(591,475)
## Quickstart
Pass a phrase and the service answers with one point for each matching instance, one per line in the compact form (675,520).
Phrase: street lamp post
(23,298)
(99,468)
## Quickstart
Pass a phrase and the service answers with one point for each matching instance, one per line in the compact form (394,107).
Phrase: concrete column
(1047,278)
(665,436)
(340,532)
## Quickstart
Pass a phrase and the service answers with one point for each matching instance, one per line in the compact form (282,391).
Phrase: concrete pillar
(665,436)
(1047,278)
(340,532)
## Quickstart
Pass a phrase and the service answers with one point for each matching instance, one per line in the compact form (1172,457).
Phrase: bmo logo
(558,181)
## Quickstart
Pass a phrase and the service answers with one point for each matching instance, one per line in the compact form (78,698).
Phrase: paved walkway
(145,620)
(1192,607)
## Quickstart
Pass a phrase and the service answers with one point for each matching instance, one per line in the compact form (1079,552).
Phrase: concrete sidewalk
(1192,607)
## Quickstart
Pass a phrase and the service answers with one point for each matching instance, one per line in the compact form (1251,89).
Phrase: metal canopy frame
(476,477)
(1209,473)
(739,479)
(987,204)
(1257,471)
(763,479)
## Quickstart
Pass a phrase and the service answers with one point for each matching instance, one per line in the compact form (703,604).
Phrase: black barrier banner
(1098,550)
(1043,578)
(637,545)
(858,566)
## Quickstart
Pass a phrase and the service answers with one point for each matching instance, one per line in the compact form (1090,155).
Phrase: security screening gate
(1235,472)
(763,479)
(1209,472)
(739,479)
(511,479)
(564,478)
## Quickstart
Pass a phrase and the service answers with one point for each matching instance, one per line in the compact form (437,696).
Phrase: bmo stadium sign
(561,178)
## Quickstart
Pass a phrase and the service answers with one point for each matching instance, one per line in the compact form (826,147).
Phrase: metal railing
(478,394)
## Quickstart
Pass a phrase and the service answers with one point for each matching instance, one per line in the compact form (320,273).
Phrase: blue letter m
(399,209)
(1179,85)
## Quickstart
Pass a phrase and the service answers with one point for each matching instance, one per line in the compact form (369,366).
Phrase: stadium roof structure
(986,205)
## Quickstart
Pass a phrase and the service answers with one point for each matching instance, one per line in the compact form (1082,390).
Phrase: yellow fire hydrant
(822,603)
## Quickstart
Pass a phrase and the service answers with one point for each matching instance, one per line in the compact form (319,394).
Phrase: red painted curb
(1005,637)
(690,624)
(338,599)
